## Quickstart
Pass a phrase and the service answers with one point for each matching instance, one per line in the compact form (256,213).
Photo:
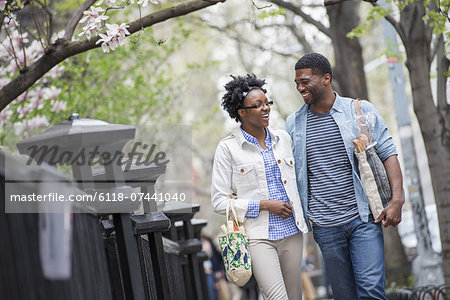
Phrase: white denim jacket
(239,172)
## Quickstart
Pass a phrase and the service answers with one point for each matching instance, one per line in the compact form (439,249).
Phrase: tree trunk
(398,268)
(349,64)
(438,153)
(418,44)
(349,72)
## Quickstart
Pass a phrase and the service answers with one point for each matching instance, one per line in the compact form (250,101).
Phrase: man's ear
(326,79)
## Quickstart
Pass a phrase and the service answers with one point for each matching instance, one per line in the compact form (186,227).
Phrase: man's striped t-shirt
(331,194)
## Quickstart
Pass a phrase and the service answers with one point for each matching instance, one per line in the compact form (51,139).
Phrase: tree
(64,47)
(434,120)
(349,63)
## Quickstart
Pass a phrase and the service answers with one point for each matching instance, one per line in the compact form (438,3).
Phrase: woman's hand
(277,207)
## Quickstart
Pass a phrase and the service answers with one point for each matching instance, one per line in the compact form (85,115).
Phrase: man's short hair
(318,64)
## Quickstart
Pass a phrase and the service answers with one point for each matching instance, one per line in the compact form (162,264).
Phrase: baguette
(365,140)
(359,146)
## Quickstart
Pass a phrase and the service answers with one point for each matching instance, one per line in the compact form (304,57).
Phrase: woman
(255,166)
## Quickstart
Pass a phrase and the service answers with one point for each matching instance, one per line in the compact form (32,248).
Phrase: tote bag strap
(362,129)
(230,206)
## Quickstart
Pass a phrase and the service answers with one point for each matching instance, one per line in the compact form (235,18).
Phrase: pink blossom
(51,93)
(33,51)
(11,22)
(12,68)
(114,37)
(2,4)
(28,125)
(93,16)
(105,40)
(145,2)
(5,115)
(38,121)
(36,103)
(13,50)
(36,93)
(54,72)
(94,19)
(22,97)
(3,81)
(58,105)
(24,110)
(109,3)
(90,30)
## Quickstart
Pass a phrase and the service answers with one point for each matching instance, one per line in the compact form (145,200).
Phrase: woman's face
(258,116)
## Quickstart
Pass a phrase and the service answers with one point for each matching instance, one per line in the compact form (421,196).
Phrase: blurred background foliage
(174,72)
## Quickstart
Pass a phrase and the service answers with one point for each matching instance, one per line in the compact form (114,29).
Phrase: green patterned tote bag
(234,248)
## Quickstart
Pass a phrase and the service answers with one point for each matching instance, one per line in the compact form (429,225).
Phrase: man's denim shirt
(343,113)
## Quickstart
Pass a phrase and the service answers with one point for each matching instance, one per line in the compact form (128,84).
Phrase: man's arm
(392,214)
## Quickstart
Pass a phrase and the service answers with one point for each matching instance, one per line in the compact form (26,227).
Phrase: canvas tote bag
(373,174)
(234,249)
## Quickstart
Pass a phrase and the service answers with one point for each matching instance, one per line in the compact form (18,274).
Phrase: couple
(287,183)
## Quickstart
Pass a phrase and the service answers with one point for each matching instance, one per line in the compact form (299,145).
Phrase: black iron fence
(115,255)
(431,292)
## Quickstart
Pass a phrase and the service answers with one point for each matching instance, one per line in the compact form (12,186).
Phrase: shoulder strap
(362,128)
(357,104)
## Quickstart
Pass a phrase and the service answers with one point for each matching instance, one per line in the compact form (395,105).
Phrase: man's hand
(277,207)
(392,214)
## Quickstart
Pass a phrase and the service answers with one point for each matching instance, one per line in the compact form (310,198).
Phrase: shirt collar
(251,139)
(238,134)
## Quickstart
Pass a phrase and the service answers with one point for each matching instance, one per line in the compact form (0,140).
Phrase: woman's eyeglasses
(259,105)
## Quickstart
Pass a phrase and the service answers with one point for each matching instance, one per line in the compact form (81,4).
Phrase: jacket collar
(338,104)
(237,133)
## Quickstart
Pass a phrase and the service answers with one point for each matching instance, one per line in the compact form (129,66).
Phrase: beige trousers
(277,267)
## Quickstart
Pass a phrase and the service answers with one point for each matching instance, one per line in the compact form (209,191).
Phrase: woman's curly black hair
(237,89)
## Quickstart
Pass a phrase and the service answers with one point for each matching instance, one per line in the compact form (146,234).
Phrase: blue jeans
(353,254)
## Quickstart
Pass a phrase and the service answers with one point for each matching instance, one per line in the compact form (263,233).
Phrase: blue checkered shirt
(279,228)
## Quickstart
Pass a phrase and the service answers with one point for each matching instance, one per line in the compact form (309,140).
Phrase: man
(330,189)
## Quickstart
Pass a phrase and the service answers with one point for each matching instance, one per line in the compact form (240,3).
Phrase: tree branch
(262,48)
(48,27)
(395,24)
(2,19)
(443,64)
(63,49)
(37,24)
(298,34)
(76,17)
(297,10)
(436,45)
(234,34)
(334,2)
(388,18)
(171,12)
(262,7)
